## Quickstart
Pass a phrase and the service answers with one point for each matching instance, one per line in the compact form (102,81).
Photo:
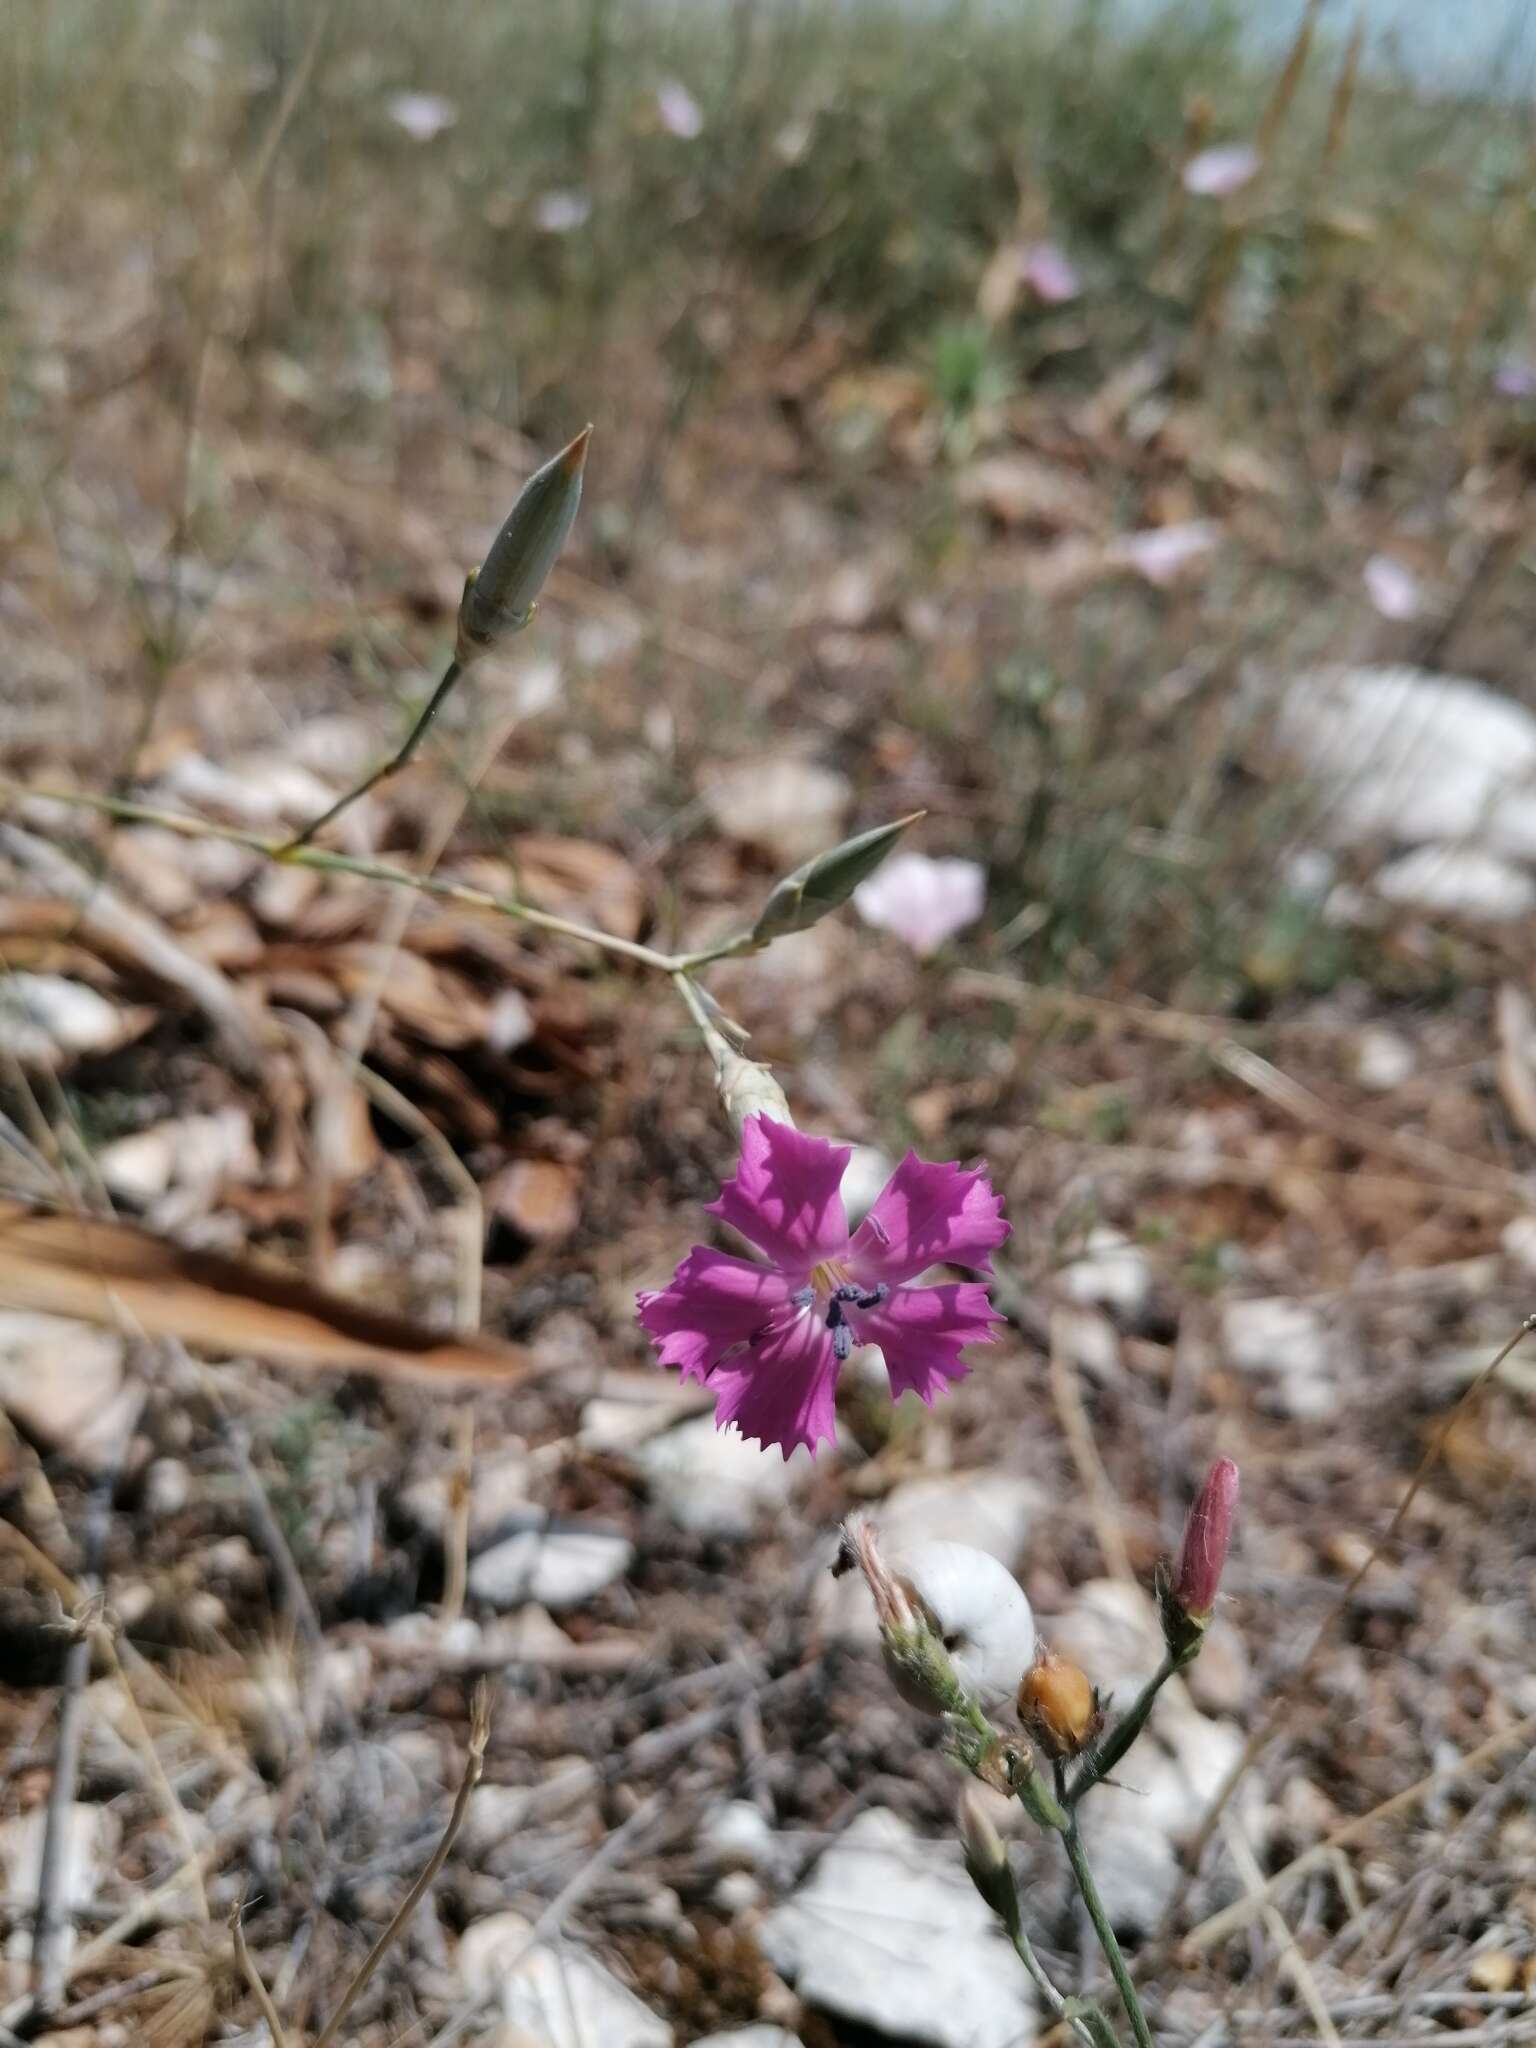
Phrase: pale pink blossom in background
(1392,588)
(923,901)
(770,1339)
(1215,173)
(561,213)
(1162,553)
(1515,377)
(422,114)
(679,110)
(1049,273)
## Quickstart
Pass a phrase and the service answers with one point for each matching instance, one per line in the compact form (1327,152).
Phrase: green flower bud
(501,595)
(825,881)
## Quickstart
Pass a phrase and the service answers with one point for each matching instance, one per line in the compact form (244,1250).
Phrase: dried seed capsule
(1059,1708)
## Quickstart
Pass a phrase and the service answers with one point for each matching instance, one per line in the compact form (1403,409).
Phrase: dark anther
(849,1295)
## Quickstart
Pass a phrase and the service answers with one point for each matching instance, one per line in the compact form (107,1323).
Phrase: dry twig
(479,1735)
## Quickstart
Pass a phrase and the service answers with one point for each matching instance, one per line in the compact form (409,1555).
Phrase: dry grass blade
(1284,93)
(112,1273)
(479,1735)
(1344,92)
(121,932)
(253,1977)
(1428,1154)
(1292,1959)
(1231,1918)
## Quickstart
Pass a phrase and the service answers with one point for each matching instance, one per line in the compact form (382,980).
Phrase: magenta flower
(770,1339)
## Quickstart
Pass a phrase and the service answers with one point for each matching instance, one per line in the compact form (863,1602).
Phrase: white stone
(864,1177)
(890,1933)
(47,1019)
(167,1488)
(738,1831)
(788,806)
(494,1813)
(990,1509)
(1288,1344)
(500,1488)
(64,1383)
(89,1838)
(1111,1630)
(738,1891)
(1412,756)
(1134,1828)
(617,1423)
(1518,1241)
(556,1568)
(259,787)
(713,1482)
(1114,1273)
(749,2037)
(1384,1059)
(1461,881)
(558,1994)
(194,1152)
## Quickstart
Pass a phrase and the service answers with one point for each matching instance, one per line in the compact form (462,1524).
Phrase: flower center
(849,1295)
(827,1278)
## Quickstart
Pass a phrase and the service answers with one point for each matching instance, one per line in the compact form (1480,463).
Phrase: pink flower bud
(1207,1534)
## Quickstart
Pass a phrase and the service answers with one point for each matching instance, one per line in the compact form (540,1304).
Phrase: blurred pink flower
(1049,273)
(679,110)
(1392,588)
(1515,377)
(923,901)
(771,1339)
(422,114)
(561,213)
(1162,553)
(1215,173)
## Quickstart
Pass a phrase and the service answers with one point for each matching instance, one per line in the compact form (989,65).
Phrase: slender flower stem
(693,1002)
(1072,1842)
(1085,2018)
(1102,1759)
(385,769)
(725,949)
(294,854)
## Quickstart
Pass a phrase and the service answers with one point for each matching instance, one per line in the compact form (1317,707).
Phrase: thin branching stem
(254,1979)
(1088,1891)
(323,861)
(385,769)
(479,1735)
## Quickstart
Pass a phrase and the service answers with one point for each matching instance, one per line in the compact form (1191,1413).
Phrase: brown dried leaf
(111,1274)
(539,1197)
(576,878)
(1021,490)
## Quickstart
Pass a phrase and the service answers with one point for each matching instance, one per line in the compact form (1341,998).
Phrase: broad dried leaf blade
(113,1274)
